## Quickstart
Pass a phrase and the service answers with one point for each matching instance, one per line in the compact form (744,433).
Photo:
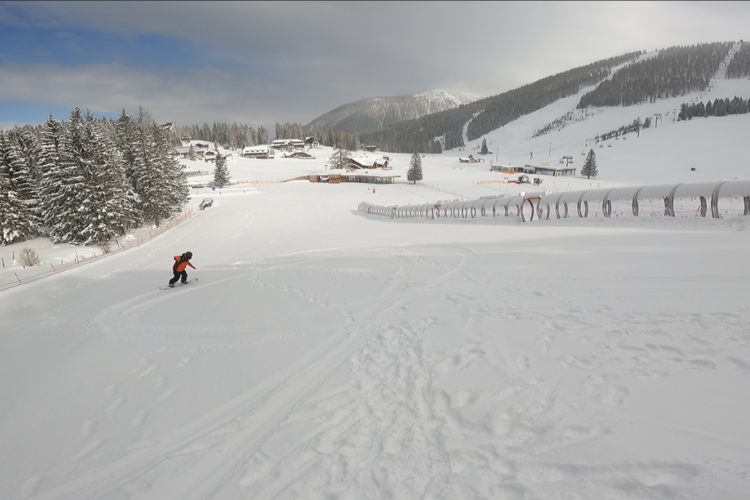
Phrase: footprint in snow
(149,370)
(139,418)
(88,427)
(167,395)
(88,449)
(184,362)
(143,443)
(614,395)
(31,486)
(116,404)
(463,398)
(523,362)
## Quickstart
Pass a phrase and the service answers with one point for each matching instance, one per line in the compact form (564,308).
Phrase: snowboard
(178,284)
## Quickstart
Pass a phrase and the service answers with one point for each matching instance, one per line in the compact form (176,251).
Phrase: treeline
(719,107)
(672,72)
(739,67)
(512,105)
(229,135)
(415,135)
(489,113)
(635,126)
(87,180)
(237,136)
(570,117)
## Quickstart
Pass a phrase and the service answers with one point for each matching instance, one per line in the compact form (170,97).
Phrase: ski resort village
(539,294)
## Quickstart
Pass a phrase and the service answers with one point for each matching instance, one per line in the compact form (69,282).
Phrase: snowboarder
(180,264)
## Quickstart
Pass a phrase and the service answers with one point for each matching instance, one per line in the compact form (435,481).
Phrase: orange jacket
(180,264)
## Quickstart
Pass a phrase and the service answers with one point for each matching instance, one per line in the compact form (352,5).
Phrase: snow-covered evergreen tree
(484,150)
(123,137)
(221,171)
(94,213)
(191,153)
(17,219)
(110,207)
(175,186)
(339,159)
(414,173)
(589,165)
(262,134)
(25,179)
(62,185)
(30,150)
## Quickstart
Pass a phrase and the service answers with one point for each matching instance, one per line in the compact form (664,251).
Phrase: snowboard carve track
(261,412)
(379,394)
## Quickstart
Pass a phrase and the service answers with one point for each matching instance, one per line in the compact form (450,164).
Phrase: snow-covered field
(324,353)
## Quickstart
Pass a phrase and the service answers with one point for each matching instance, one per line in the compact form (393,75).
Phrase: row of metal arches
(666,199)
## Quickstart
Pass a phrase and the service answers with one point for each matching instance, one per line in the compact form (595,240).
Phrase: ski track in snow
(408,422)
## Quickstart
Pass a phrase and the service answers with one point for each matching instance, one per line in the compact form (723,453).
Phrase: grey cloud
(314,56)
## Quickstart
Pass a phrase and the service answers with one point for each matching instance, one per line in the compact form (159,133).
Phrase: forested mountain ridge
(489,113)
(641,78)
(669,73)
(377,112)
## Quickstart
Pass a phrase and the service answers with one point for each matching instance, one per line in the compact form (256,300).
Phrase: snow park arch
(720,199)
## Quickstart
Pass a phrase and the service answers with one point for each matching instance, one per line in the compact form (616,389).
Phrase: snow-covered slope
(668,145)
(326,354)
(376,112)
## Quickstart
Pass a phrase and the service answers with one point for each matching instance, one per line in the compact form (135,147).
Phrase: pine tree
(104,209)
(484,150)
(589,165)
(262,136)
(62,185)
(340,158)
(17,219)
(163,185)
(191,154)
(25,179)
(414,173)
(112,202)
(221,172)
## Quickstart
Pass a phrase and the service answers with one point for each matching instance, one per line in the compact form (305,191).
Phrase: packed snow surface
(325,353)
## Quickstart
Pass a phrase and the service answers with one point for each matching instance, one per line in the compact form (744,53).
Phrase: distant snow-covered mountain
(376,112)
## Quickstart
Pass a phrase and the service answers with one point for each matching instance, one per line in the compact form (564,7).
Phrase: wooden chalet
(182,152)
(301,155)
(352,164)
(471,159)
(261,152)
(289,145)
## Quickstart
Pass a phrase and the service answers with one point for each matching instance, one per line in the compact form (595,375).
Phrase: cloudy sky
(262,62)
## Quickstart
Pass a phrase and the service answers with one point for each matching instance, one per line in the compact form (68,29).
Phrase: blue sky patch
(79,47)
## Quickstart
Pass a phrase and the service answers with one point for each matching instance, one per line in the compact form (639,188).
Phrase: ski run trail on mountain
(324,353)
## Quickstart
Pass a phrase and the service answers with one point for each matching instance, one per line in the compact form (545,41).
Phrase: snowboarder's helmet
(189,255)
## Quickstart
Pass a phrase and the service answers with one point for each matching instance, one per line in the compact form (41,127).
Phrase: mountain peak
(376,112)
